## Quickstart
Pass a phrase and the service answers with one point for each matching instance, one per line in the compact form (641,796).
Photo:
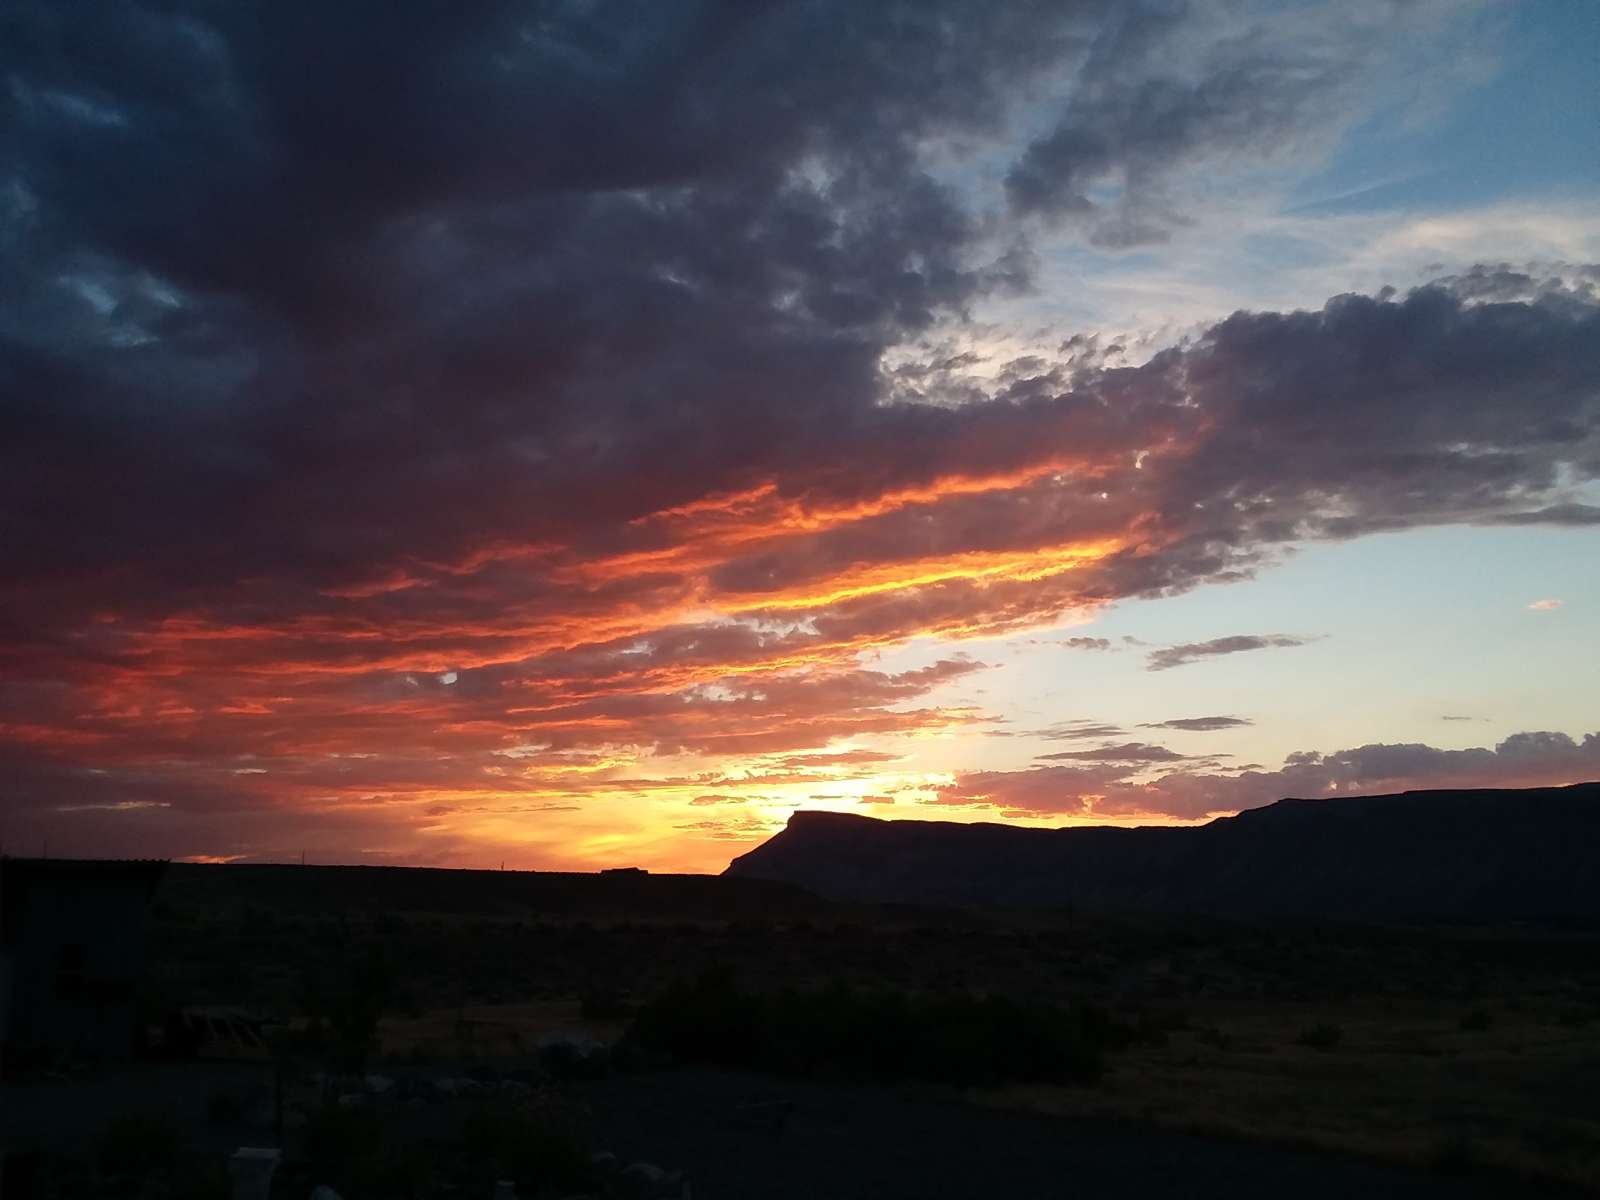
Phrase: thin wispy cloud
(1072,731)
(1199,724)
(1128,752)
(1189,652)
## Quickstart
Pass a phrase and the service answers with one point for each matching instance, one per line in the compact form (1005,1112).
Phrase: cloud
(1159,96)
(1545,605)
(1503,282)
(1086,643)
(1177,656)
(1128,752)
(1127,789)
(838,758)
(1575,515)
(1071,731)
(733,829)
(1037,791)
(1199,724)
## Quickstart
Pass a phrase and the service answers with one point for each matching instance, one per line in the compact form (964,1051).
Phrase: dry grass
(1415,1088)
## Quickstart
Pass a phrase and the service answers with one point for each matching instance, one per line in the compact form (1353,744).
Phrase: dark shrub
(539,1142)
(1321,1037)
(563,1059)
(341,1144)
(1560,1138)
(137,1144)
(1477,1020)
(224,1104)
(604,1004)
(350,1150)
(706,1020)
(1453,1155)
(345,1004)
(962,1040)
(199,1178)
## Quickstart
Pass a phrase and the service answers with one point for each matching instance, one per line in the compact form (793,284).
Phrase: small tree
(345,1006)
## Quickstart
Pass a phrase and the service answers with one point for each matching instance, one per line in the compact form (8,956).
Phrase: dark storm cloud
(1199,724)
(365,276)
(1177,656)
(380,285)
(433,267)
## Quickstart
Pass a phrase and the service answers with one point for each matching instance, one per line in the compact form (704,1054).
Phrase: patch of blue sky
(1409,629)
(1412,627)
(1529,129)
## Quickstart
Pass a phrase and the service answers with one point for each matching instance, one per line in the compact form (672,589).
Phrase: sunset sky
(581,434)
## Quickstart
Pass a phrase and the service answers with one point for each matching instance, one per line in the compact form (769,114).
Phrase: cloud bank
(1114,789)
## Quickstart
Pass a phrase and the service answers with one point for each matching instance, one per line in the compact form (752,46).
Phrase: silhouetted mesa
(1481,854)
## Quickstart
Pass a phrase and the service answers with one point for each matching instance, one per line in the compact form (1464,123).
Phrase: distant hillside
(1483,854)
(523,894)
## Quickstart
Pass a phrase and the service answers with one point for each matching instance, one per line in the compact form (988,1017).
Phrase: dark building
(71,954)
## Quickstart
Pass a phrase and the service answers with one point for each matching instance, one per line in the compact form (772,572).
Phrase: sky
(571,435)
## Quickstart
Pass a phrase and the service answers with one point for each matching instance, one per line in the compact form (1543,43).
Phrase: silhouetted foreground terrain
(1458,1046)
(1488,854)
(426,1032)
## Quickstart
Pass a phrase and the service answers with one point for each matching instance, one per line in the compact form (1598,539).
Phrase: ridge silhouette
(1438,855)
